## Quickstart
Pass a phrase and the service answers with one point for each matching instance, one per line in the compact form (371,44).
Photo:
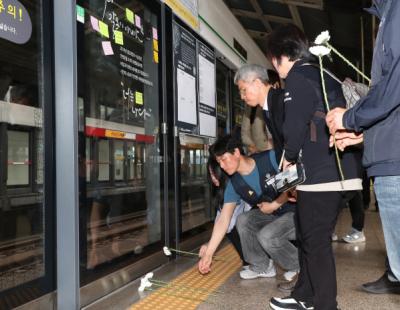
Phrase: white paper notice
(187,111)
(206,82)
(208,125)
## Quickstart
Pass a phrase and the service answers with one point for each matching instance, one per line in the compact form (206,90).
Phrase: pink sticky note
(138,21)
(107,48)
(155,34)
(95,23)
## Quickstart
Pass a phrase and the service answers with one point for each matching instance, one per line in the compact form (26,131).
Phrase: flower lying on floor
(145,282)
(168,252)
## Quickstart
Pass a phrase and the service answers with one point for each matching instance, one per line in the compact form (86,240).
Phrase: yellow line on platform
(180,298)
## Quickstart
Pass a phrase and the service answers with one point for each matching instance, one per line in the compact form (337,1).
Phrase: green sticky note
(80,14)
(103,27)
(118,37)
(139,97)
(130,16)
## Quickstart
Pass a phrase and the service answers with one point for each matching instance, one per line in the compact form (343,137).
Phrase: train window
(18,158)
(131,160)
(119,160)
(104,160)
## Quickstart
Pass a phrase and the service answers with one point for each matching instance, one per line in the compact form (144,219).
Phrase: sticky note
(80,14)
(103,29)
(138,21)
(155,33)
(139,98)
(107,48)
(130,16)
(118,37)
(155,45)
(95,23)
(155,57)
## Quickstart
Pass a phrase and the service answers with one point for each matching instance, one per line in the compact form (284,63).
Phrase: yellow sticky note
(118,37)
(130,16)
(155,57)
(139,97)
(103,27)
(155,45)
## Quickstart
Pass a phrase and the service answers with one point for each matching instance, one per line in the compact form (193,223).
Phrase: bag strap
(319,114)
(245,191)
(326,71)
(265,165)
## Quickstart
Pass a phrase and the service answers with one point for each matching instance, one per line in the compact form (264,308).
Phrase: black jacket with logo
(304,126)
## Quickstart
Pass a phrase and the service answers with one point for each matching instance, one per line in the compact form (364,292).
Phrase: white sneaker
(248,274)
(290,274)
(334,237)
(246,267)
(354,236)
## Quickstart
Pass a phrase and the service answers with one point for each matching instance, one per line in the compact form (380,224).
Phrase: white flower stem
(321,70)
(348,62)
(217,258)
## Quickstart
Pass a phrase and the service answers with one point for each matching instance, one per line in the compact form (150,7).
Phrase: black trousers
(356,206)
(316,216)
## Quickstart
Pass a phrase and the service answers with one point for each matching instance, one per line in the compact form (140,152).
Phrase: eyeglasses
(242,91)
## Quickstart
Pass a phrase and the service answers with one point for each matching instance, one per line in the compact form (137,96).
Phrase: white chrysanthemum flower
(149,275)
(319,50)
(167,251)
(144,282)
(322,38)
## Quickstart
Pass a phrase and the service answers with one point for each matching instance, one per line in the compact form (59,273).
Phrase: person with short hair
(306,139)
(270,235)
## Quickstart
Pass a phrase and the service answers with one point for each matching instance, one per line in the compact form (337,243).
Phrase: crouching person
(265,231)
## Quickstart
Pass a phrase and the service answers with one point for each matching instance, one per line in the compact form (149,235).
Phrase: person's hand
(286,164)
(267,207)
(203,249)
(334,119)
(346,138)
(292,195)
(205,263)
(251,149)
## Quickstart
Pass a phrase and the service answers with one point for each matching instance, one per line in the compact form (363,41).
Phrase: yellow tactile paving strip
(182,295)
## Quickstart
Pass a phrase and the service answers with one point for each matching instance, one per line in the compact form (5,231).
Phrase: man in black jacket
(255,87)
(256,90)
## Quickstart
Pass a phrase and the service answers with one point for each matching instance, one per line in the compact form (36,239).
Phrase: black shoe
(382,286)
(287,303)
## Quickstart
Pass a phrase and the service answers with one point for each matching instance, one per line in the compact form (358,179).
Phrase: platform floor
(356,264)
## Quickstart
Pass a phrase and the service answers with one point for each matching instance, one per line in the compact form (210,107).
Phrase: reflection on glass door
(25,233)
(195,188)
(223,82)
(118,79)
